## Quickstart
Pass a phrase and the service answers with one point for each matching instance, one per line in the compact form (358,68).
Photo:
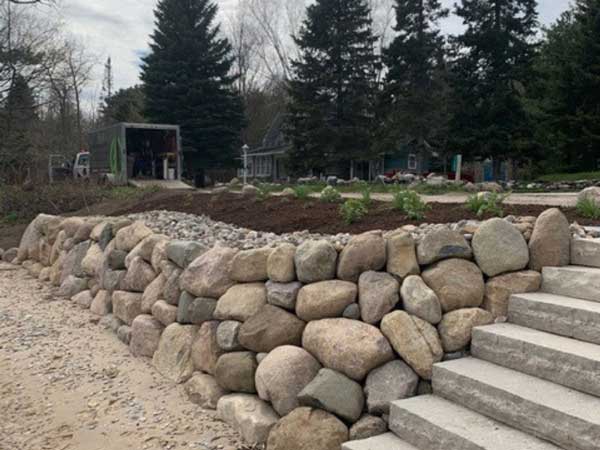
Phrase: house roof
(274,140)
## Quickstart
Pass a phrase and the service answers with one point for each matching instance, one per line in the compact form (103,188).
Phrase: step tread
(576,269)
(484,433)
(535,390)
(543,339)
(560,300)
(387,441)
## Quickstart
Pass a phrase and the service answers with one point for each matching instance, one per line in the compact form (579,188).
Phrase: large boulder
(336,393)
(325,299)
(280,264)
(363,253)
(442,243)
(283,294)
(195,311)
(70,225)
(402,255)
(378,294)
(456,327)
(498,290)
(499,247)
(390,382)
(241,302)
(164,313)
(203,390)
(271,327)
(130,236)
(348,346)
(183,253)
(235,372)
(368,426)
(93,261)
(115,259)
(250,265)
(29,245)
(173,358)
(127,305)
(550,243)
(282,374)
(205,349)
(252,417)
(209,275)
(72,262)
(315,261)
(153,293)
(228,336)
(112,280)
(145,248)
(420,300)
(139,275)
(308,429)
(102,303)
(415,340)
(457,283)
(592,194)
(71,286)
(171,290)
(145,335)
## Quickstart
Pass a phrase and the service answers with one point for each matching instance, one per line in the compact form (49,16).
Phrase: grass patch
(588,208)
(580,176)
(488,203)
(410,203)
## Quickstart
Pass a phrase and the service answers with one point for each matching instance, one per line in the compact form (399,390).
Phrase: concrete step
(566,417)
(433,423)
(565,361)
(585,252)
(566,316)
(572,281)
(388,441)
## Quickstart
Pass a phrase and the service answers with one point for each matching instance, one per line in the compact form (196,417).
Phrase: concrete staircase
(531,384)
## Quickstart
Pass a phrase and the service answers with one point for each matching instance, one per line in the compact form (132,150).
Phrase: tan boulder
(210,274)
(499,247)
(550,243)
(325,299)
(173,358)
(457,283)
(456,327)
(280,264)
(130,236)
(348,346)
(250,265)
(415,340)
(205,349)
(241,302)
(236,371)
(365,252)
(153,293)
(164,313)
(102,303)
(252,417)
(203,390)
(127,305)
(498,290)
(271,327)
(145,335)
(139,275)
(402,255)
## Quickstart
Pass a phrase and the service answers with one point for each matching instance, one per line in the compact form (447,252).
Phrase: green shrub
(330,195)
(365,192)
(487,203)
(410,203)
(353,210)
(301,192)
(263,192)
(588,208)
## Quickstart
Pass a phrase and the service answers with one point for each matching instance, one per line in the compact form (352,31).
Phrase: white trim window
(263,166)
(412,161)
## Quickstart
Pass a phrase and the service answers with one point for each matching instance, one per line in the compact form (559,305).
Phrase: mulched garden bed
(285,214)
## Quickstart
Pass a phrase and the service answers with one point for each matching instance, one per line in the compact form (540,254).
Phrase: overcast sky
(120,28)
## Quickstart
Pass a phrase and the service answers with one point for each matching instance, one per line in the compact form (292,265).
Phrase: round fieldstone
(365,252)
(441,244)
(456,327)
(315,261)
(325,299)
(392,381)
(419,300)
(269,328)
(378,294)
(235,372)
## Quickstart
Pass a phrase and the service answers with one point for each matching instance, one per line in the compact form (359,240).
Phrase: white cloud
(121,28)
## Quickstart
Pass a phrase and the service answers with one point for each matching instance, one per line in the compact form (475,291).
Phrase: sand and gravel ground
(68,384)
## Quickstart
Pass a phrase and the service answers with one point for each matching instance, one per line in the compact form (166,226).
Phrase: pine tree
(491,73)
(125,105)
(332,90)
(413,98)
(187,82)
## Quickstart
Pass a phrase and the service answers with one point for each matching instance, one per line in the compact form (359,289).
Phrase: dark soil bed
(282,214)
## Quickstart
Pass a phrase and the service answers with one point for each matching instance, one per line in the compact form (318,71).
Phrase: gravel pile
(191,227)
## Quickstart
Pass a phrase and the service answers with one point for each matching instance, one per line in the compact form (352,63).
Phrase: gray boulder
(315,261)
(210,274)
(390,382)
(269,328)
(145,335)
(203,390)
(235,372)
(195,311)
(419,300)
(378,294)
(173,358)
(283,294)
(252,417)
(441,244)
(72,286)
(365,252)
(183,253)
(227,336)
(366,427)
(336,393)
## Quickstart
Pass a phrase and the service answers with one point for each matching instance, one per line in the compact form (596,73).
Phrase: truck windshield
(83,160)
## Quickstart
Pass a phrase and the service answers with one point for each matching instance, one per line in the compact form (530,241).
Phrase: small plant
(263,192)
(11,217)
(365,192)
(301,192)
(410,203)
(352,211)
(489,203)
(330,195)
(588,208)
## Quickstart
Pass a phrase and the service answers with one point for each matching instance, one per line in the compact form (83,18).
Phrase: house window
(412,161)
(263,166)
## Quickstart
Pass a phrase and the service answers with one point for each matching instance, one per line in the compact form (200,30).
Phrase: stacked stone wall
(297,347)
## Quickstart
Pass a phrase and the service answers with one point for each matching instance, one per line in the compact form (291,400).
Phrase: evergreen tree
(332,90)
(491,72)
(187,82)
(125,105)
(414,96)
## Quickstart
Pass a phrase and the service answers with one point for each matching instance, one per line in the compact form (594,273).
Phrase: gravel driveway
(68,384)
